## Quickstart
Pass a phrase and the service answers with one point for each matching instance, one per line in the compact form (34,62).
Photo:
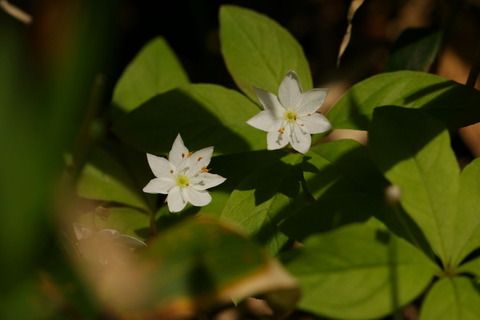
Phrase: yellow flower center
(182,181)
(290,116)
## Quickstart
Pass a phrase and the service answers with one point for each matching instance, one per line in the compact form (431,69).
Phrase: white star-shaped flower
(291,117)
(184,176)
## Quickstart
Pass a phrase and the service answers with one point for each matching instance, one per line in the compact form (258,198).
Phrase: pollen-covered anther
(205,169)
(281,130)
(183,155)
(189,154)
(199,158)
(309,115)
(171,171)
(187,184)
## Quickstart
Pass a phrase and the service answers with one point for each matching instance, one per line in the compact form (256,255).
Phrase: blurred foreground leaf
(194,265)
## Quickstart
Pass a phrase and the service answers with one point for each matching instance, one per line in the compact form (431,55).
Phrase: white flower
(184,176)
(291,117)
(104,246)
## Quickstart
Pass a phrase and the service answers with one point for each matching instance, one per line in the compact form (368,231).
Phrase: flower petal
(175,200)
(277,140)
(178,149)
(159,185)
(160,166)
(311,101)
(315,123)
(198,160)
(196,197)
(206,180)
(130,242)
(290,91)
(266,120)
(82,232)
(300,140)
(268,100)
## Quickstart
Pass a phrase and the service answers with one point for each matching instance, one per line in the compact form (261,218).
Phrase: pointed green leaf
(358,272)
(154,70)
(413,150)
(454,104)
(454,298)
(193,265)
(263,199)
(415,49)
(467,224)
(204,114)
(105,178)
(258,51)
(471,267)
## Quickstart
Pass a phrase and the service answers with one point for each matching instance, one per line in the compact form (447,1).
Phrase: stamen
(309,114)
(183,155)
(188,184)
(301,124)
(199,158)
(204,169)
(171,171)
(281,130)
(189,154)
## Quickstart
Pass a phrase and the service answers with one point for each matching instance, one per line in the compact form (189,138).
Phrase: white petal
(315,123)
(311,101)
(175,200)
(268,100)
(206,180)
(130,242)
(277,140)
(82,232)
(196,197)
(290,91)
(178,152)
(160,166)
(159,185)
(266,121)
(198,160)
(300,140)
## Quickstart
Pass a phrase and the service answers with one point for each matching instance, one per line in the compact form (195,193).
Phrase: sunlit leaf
(455,298)
(259,52)
(263,199)
(454,104)
(413,150)
(154,70)
(204,114)
(358,272)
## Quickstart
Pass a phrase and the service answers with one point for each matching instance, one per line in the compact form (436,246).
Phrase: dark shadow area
(154,126)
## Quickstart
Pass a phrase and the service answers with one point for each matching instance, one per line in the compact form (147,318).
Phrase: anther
(188,184)
(204,169)
(199,158)
(309,114)
(189,154)
(171,171)
(183,155)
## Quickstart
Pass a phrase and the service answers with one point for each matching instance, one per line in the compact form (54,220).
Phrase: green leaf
(263,199)
(467,224)
(358,272)
(415,49)
(194,265)
(471,267)
(454,298)
(258,51)
(154,70)
(413,150)
(204,114)
(105,178)
(347,185)
(125,220)
(454,104)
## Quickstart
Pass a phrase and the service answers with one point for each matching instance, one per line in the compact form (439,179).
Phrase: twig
(475,69)
(354,5)
(15,12)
